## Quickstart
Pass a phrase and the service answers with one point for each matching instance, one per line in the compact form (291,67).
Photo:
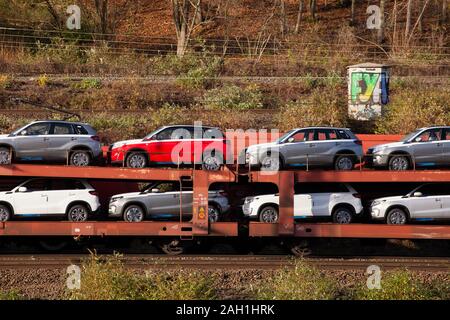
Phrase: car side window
(62,128)
(446,134)
(434,190)
(37,185)
(168,186)
(182,133)
(301,136)
(80,129)
(322,135)
(343,135)
(164,134)
(428,136)
(37,129)
(66,185)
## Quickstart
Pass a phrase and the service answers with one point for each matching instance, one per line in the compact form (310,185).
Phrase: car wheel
(342,215)
(399,163)
(344,162)
(271,163)
(396,216)
(269,214)
(5,213)
(136,160)
(213,213)
(212,162)
(80,158)
(133,213)
(5,156)
(78,213)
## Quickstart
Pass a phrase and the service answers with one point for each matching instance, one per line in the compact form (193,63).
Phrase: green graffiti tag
(362,86)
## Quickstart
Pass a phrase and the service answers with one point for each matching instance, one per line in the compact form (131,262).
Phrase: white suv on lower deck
(339,201)
(71,198)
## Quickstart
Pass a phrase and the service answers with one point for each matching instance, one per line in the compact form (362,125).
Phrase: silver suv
(425,147)
(54,141)
(163,199)
(308,147)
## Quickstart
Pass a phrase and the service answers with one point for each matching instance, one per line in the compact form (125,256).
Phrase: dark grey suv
(308,147)
(425,147)
(55,141)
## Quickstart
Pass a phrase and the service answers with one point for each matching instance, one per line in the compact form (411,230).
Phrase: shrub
(232,97)
(303,282)
(319,109)
(11,295)
(414,109)
(89,83)
(108,279)
(402,285)
(42,80)
(5,81)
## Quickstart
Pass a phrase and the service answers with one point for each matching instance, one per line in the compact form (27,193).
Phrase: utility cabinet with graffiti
(368,90)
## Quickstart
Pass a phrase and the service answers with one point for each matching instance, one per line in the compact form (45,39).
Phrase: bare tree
(380,33)
(352,17)
(408,19)
(283,22)
(55,16)
(101,7)
(184,21)
(299,15)
(313,8)
(444,12)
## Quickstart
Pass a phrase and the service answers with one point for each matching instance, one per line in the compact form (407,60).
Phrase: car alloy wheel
(133,214)
(342,216)
(5,156)
(4,213)
(78,213)
(271,163)
(269,215)
(397,216)
(213,213)
(344,163)
(80,158)
(137,160)
(212,163)
(399,163)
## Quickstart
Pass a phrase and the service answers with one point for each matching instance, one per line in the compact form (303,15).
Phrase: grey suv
(308,147)
(425,147)
(163,199)
(54,141)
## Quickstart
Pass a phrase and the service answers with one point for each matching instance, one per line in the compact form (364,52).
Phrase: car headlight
(114,199)
(376,203)
(249,200)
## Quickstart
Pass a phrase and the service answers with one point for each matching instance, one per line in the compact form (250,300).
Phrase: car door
(34,201)
(302,201)
(322,147)
(163,147)
(429,205)
(32,143)
(62,137)
(427,148)
(166,202)
(446,146)
(297,148)
(62,192)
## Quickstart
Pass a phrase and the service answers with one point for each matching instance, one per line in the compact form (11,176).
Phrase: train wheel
(172,247)
(300,248)
(53,245)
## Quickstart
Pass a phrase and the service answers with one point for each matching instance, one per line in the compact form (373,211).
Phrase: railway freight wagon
(173,235)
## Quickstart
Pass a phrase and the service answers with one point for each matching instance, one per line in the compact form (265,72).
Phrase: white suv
(71,198)
(428,202)
(339,201)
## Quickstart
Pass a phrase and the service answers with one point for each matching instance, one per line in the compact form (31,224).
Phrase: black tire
(136,160)
(342,215)
(344,162)
(80,158)
(78,213)
(272,162)
(269,214)
(5,156)
(213,213)
(399,163)
(134,213)
(212,161)
(5,213)
(397,216)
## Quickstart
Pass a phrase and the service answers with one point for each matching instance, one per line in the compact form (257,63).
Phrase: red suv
(174,145)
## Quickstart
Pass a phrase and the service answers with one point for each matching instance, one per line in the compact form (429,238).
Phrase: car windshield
(409,136)
(287,134)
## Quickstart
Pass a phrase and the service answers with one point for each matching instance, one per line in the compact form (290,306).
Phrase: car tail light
(223,193)
(94,193)
(95,138)
(357,195)
(358,142)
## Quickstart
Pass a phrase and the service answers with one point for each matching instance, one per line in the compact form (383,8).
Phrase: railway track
(227,262)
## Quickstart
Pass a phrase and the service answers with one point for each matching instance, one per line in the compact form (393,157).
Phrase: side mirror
(291,139)
(22,189)
(23,132)
(417,194)
(155,190)
(418,139)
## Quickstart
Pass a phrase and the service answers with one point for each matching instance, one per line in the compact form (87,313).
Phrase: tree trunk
(54,14)
(313,8)
(284,28)
(352,18)
(180,12)
(101,7)
(444,11)
(408,19)
(380,34)
(299,15)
